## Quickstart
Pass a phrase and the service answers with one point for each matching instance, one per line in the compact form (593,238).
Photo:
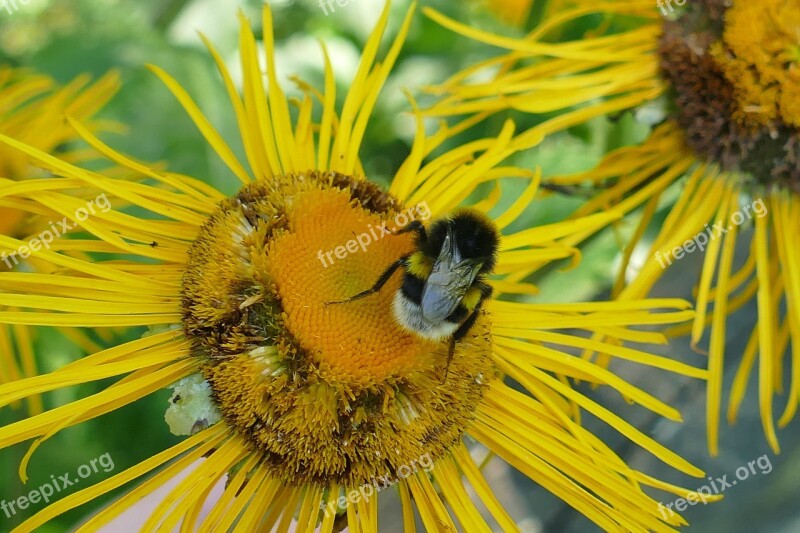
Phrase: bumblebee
(444,279)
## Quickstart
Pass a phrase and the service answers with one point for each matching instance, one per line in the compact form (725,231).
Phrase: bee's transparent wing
(445,288)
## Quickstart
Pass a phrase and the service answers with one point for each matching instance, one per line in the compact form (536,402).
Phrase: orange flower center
(322,260)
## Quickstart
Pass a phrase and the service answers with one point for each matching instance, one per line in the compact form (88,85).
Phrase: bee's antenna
(415,226)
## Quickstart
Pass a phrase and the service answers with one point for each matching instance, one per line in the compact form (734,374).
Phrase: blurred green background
(66,38)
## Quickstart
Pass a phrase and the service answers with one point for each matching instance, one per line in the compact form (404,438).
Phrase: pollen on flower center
(322,261)
(759,56)
(327,392)
(734,75)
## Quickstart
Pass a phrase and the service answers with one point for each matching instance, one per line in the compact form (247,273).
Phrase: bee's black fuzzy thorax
(475,234)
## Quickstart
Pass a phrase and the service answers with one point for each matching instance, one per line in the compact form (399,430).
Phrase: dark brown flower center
(732,92)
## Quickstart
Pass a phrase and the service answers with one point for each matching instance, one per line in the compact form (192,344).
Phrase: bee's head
(475,237)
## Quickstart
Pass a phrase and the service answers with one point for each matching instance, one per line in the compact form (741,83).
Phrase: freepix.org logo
(57,484)
(704,494)
(328,7)
(379,483)
(660,4)
(55,230)
(421,211)
(12,6)
(718,229)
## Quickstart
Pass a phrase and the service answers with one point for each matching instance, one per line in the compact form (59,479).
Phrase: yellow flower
(32,111)
(301,403)
(727,77)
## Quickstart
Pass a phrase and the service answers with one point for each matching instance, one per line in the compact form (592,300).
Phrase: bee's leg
(457,336)
(378,284)
(486,292)
(451,350)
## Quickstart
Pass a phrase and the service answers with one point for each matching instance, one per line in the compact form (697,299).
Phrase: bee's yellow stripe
(419,265)
(471,298)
